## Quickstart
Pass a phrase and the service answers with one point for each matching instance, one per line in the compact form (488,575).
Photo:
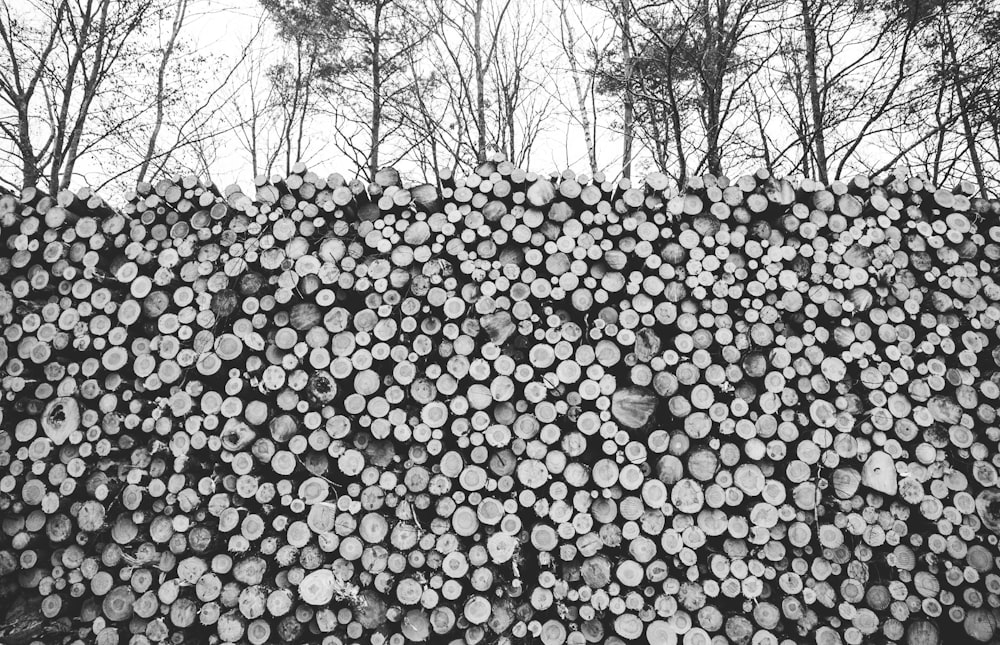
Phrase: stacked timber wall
(506,409)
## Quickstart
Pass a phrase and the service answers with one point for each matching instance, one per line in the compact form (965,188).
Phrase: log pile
(506,408)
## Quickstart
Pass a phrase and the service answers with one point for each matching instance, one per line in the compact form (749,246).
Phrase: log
(60,419)
(633,407)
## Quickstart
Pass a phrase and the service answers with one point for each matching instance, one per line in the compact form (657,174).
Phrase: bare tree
(375,79)
(667,88)
(682,76)
(249,114)
(857,61)
(116,94)
(180,12)
(584,80)
(628,64)
(726,35)
(815,100)
(271,110)
(522,106)
(293,81)
(426,137)
(955,72)
(61,60)
(945,119)
(467,38)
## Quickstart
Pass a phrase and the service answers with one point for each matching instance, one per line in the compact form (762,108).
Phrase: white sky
(220,30)
(224,27)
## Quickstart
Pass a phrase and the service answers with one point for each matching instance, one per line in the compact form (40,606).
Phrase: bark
(675,117)
(253,144)
(293,131)
(629,105)
(161,76)
(376,124)
(510,108)
(938,148)
(883,107)
(581,95)
(290,126)
(818,137)
(480,70)
(967,129)
(20,93)
(995,124)
(803,130)
(304,112)
(714,62)
(91,85)
(766,152)
(30,171)
(58,146)
(660,142)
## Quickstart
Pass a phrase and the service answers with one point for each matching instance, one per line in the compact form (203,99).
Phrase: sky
(218,34)
(223,28)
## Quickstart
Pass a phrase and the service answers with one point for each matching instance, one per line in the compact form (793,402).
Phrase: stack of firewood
(506,408)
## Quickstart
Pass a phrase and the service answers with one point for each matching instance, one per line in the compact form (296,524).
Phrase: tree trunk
(675,122)
(938,148)
(803,131)
(161,88)
(480,83)
(59,138)
(253,146)
(995,124)
(511,109)
(376,92)
(970,135)
(581,96)
(818,137)
(90,88)
(29,170)
(661,140)
(712,80)
(287,134)
(629,107)
(763,140)
(29,164)
(304,112)
(713,157)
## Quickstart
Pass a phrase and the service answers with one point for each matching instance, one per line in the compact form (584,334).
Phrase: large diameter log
(60,419)
(633,407)
(988,507)
(318,587)
(879,473)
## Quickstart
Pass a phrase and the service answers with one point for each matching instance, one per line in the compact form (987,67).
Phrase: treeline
(819,88)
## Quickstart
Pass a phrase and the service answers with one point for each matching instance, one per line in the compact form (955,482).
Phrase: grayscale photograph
(499,322)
